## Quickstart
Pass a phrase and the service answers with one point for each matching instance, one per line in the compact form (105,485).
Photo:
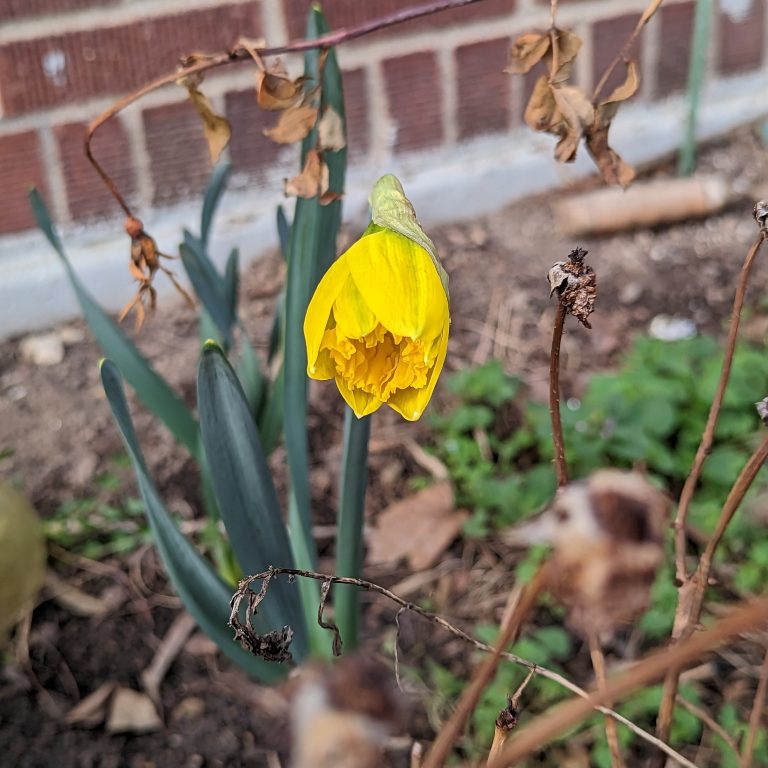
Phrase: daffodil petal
(354,319)
(324,367)
(362,403)
(399,282)
(411,402)
(319,309)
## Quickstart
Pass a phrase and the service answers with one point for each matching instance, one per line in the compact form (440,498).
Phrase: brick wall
(432,82)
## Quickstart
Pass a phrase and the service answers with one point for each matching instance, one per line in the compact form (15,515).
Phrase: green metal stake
(702,24)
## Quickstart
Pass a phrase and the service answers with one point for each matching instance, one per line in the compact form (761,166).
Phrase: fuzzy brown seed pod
(342,713)
(607,534)
(576,285)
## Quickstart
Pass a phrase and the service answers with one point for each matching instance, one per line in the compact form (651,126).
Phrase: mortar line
(50,157)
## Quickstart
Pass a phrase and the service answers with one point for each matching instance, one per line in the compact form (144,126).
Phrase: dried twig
(507,719)
(758,709)
(710,722)
(199,63)
(651,8)
(437,756)
(691,593)
(266,576)
(611,734)
(745,617)
(708,435)
(561,467)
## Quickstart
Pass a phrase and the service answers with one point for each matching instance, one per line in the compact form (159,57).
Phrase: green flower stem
(349,542)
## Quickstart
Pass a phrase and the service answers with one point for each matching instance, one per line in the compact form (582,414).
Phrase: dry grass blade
(713,725)
(611,734)
(747,616)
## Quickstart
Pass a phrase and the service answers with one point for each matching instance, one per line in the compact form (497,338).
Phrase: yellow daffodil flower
(378,323)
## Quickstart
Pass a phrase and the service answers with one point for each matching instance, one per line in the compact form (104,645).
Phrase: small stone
(666,328)
(189,708)
(132,712)
(42,349)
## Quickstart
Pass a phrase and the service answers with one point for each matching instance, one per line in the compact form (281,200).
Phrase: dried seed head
(507,719)
(342,714)
(607,536)
(762,410)
(576,285)
(760,212)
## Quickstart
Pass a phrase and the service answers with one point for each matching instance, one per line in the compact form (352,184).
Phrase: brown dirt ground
(56,422)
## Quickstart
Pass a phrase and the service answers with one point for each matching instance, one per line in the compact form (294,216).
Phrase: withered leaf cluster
(559,107)
(576,285)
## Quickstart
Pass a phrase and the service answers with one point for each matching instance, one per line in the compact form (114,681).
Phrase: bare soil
(57,425)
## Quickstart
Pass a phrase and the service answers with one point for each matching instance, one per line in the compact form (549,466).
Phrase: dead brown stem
(437,756)
(712,724)
(561,467)
(758,708)
(709,430)
(745,617)
(204,63)
(691,593)
(645,17)
(446,625)
(611,734)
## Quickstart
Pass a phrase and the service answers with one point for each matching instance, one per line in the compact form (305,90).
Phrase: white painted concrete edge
(451,184)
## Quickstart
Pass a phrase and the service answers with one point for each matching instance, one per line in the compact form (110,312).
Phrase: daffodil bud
(378,321)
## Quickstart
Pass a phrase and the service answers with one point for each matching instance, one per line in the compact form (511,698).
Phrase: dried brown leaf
(568,46)
(313,179)
(276,91)
(613,169)
(526,52)
(607,109)
(541,113)
(216,128)
(330,131)
(578,113)
(419,528)
(294,124)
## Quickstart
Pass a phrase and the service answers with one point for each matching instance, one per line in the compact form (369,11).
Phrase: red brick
(741,39)
(178,152)
(349,13)
(608,39)
(113,60)
(20,169)
(18,9)
(249,149)
(415,103)
(87,195)
(674,47)
(483,87)
(356,107)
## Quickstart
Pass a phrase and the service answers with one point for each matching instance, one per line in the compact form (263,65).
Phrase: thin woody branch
(245,586)
(201,64)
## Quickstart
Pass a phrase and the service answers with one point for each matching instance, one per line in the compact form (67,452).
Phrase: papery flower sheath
(378,321)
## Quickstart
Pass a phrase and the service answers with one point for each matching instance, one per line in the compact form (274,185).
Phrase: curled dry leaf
(313,179)
(330,131)
(419,528)
(216,128)
(612,168)
(527,51)
(577,113)
(541,113)
(276,91)
(294,124)
(568,46)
